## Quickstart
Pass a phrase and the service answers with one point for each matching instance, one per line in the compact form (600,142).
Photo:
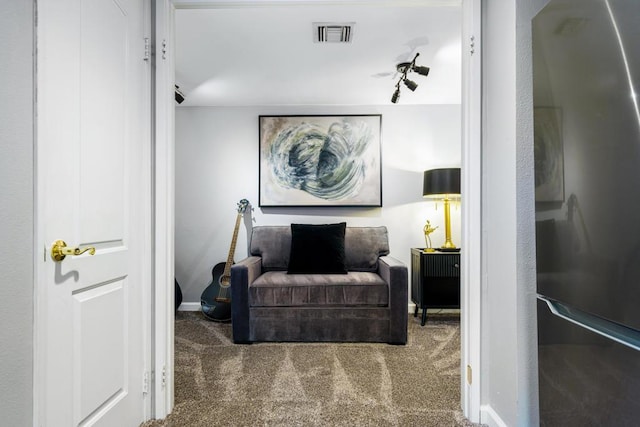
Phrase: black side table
(435,280)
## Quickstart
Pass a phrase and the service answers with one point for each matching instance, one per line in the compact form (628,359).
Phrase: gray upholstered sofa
(368,303)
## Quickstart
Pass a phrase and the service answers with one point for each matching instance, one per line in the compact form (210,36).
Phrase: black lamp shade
(441,181)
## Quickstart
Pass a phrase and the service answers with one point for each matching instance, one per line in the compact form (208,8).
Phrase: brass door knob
(59,250)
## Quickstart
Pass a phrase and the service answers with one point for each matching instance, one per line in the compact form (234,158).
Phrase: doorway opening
(227,176)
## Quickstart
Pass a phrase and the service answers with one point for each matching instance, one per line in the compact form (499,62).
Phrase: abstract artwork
(548,155)
(320,161)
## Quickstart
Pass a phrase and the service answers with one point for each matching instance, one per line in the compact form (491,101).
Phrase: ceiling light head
(179,96)
(410,84)
(396,96)
(423,71)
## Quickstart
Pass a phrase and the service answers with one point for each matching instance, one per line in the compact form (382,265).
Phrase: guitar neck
(232,249)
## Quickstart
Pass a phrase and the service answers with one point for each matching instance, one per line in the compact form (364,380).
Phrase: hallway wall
(16,213)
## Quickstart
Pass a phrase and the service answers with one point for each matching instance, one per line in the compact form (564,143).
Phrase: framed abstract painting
(320,161)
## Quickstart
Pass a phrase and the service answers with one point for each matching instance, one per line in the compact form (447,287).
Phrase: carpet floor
(218,383)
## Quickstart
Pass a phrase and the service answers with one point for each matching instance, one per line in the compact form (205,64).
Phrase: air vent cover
(333,32)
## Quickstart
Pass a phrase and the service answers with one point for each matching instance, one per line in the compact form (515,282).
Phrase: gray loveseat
(368,303)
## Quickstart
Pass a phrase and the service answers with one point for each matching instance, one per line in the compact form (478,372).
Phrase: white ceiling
(254,54)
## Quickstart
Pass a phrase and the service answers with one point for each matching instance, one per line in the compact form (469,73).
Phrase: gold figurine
(428,229)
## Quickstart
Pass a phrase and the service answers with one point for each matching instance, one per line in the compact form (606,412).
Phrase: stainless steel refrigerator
(586,67)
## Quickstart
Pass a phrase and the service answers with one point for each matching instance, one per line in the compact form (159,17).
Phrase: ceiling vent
(333,32)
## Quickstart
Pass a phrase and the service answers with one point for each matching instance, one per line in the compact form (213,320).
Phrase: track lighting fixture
(404,68)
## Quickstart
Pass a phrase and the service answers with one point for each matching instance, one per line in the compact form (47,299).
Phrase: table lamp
(443,184)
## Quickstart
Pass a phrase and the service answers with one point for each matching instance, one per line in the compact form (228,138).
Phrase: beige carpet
(218,383)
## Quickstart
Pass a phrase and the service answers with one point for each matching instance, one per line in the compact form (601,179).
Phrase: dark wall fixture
(405,68)
(179,95)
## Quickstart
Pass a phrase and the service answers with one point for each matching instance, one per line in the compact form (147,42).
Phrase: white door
(93,191)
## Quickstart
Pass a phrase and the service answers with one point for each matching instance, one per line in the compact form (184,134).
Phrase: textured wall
(509,338)
(16,214)
(217,165)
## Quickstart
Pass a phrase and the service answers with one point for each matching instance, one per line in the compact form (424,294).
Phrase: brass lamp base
(448,246)
(448,249)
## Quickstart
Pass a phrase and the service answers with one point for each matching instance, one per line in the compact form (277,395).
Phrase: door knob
(59,250)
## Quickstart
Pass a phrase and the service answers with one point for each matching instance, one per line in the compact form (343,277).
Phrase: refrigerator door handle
(622,334)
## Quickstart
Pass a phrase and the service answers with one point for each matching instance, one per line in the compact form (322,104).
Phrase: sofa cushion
(362,246)
(279,289)
(317,248)
(272,243)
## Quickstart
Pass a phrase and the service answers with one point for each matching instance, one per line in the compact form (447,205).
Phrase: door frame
(164,174)
(471,267)
(164,205)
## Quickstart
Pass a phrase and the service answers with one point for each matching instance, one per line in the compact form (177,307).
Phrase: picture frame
(320,160)
(548,154)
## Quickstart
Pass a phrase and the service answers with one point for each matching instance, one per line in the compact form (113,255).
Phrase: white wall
(16,213)
(217,165)
(509,337)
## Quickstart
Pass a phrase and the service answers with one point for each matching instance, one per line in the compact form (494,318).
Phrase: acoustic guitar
(216,298)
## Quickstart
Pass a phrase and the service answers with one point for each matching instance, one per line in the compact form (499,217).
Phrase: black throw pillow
(317,249)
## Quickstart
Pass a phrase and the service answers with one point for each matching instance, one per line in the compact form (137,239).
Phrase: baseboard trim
(195,306)
(190,306)
(490,417)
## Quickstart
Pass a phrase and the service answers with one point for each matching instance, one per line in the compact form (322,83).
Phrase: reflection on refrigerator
(586,68)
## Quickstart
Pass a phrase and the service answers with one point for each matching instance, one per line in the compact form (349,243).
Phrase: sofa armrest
(396,274)
(251,265)
(243,273)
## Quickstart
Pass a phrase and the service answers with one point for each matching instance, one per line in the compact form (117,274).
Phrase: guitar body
(216,298)
(214,305)
(178,294)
